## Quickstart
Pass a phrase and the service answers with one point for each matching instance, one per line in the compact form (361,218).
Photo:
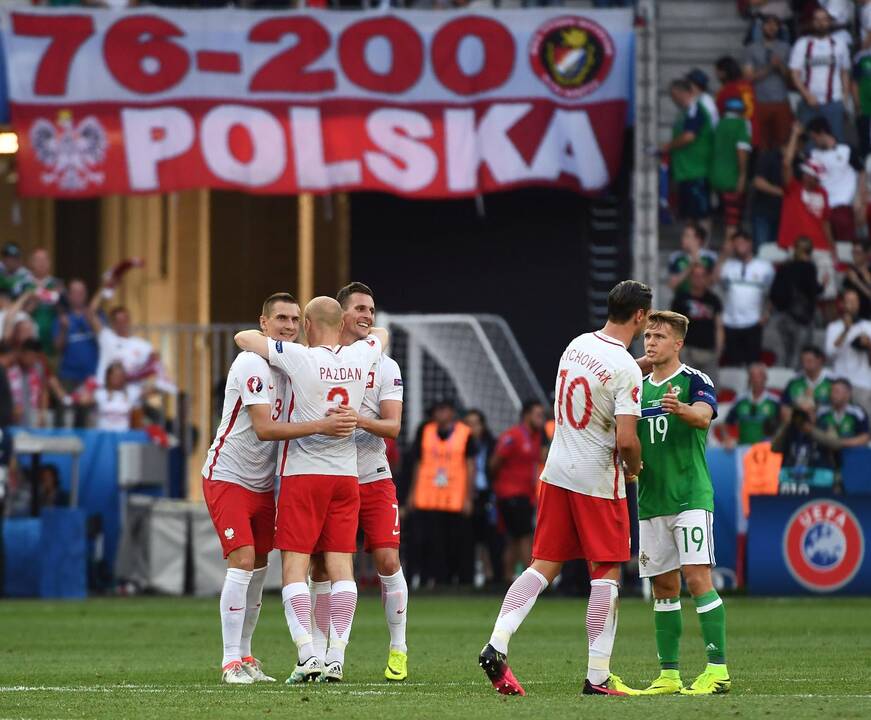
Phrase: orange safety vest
(761,471)
(442,474)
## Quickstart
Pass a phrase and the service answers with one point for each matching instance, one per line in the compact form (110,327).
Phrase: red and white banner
(425,104)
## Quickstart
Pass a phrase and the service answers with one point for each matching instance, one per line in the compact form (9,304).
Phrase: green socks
(669,625)
(712,616)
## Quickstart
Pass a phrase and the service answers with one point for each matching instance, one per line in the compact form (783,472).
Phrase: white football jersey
(384,383)
(597,380)
(323,377)
(237,455)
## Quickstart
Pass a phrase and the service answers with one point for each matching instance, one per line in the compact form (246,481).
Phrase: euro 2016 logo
(255,384)
(823,545)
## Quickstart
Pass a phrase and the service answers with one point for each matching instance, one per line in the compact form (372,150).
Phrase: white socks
(343,603)
(252,610)
(320,601)
(297,612)
(394,598)
(601,629)
(233,604)
(519,599)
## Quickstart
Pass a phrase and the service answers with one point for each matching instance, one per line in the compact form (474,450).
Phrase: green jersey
(732,134)
(693,161)
(675,476)
(849,423)
(799,386)
(862,76)
(756,419)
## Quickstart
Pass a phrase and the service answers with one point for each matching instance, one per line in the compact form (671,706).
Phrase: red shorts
(843,222)
(241,516)
(317,513)
(733,208)
(379,515)
(572,526)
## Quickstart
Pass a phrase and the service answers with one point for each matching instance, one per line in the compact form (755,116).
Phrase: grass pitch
(160,657)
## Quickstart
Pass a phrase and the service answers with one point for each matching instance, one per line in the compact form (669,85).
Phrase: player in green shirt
(676,505)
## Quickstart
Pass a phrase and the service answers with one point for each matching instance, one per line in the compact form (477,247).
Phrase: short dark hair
(627,298)
(5,347)
(729,67)
(819,125)
(742,233)
(813,350)
(528,406)
(681,84)
(117,309)
(843,381)
(32,344)
(353,287)
(698,231)
(275,298)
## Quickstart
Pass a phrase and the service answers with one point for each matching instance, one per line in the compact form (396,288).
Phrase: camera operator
(808,455)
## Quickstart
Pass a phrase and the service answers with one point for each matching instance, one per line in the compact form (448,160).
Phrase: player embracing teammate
(238,480)
(582,511)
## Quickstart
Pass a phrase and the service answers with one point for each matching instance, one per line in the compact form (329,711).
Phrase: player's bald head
(324,312)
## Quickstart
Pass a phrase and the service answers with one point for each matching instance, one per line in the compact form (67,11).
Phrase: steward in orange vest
(442,482)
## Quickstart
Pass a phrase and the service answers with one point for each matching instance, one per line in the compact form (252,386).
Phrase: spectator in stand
(692,252)
(441,497)
(11,312)
(805,213)
(115,403)
(705,337)
(767,198)
(488,546)
(765,65)
(746,281)
(848,347)
(29,382)
(843,179)
(74,338)
(794,295)
(14,276)
(47,292)
(841,13)
(734,86)
(858,277)
(690,150)
(753,417)
(698,80)
(820,65)
(515,466)
(813,385)
(731,157)
(780,10)
(845,422)
(805,209)
(862,94)
(807,462)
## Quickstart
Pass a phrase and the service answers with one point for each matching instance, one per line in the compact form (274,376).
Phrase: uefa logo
(255,384)
(823,545)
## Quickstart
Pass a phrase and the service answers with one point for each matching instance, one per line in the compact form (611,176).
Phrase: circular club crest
(823,545)
(255,384)
(571,55)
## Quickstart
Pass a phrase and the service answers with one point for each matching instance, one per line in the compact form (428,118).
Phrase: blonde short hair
(679,323)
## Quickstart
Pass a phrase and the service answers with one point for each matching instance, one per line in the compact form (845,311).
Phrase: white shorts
(669,542)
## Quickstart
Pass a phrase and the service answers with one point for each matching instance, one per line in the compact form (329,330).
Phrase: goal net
(472,360)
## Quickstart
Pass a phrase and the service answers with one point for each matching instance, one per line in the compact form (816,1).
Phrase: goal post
(473,360)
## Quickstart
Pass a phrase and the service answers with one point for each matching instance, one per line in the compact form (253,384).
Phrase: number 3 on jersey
(567,401)
(341,394)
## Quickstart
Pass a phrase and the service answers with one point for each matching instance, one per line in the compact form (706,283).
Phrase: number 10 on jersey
(567,400)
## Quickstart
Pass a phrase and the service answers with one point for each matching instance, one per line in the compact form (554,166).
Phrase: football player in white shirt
(238,478)
(380,417)
(582,505)
(319,500)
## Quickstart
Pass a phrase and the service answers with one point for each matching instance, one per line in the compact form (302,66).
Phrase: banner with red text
(424,104)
